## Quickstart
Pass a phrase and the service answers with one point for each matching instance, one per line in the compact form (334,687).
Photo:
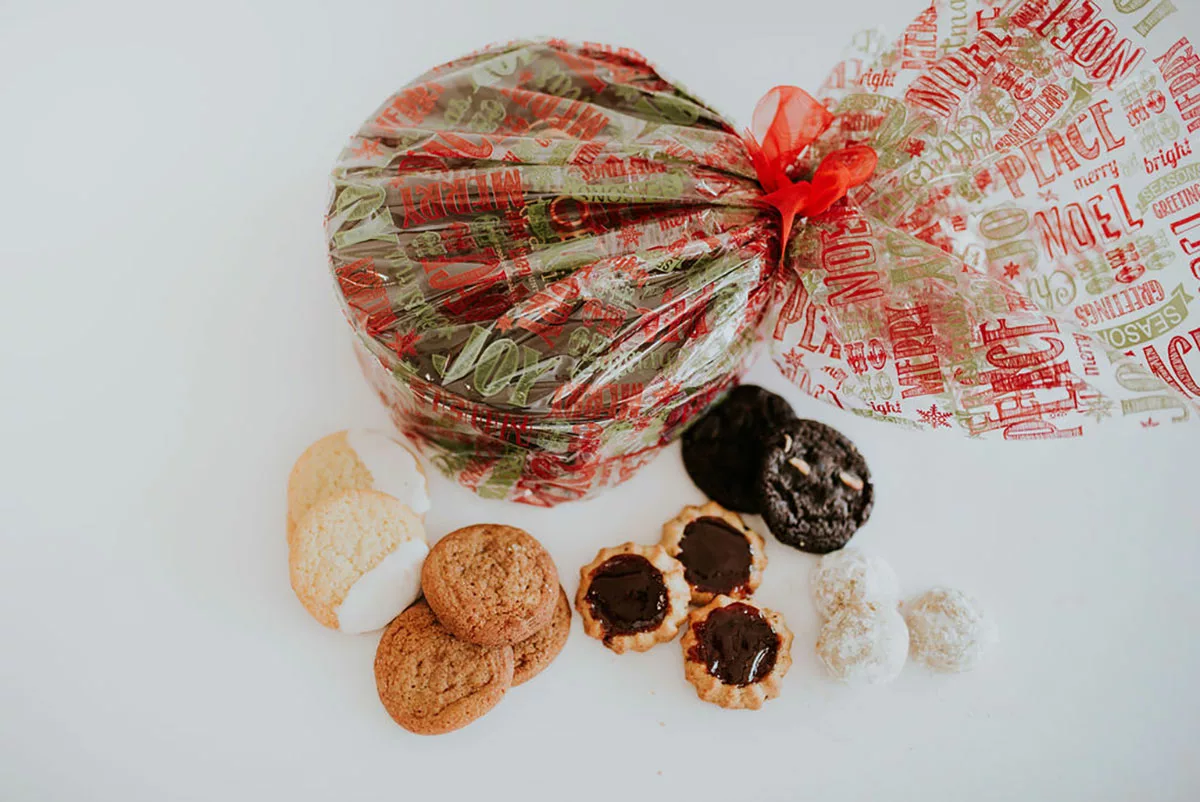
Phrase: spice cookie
(720,554)
(429,681)
(632,597)
(355,560)
(814,487)
(355,459)
(490,584)
(736,653)
(532,655)
(723,451)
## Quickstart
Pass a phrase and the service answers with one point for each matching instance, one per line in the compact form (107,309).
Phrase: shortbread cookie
(356,560)
(736,653)
(491,584)
(722,452)
(632,597)
(815,489)
(533,654)
(853,576)
(355,459)
(948,630)
(864,645)
(431,682)
(720,554)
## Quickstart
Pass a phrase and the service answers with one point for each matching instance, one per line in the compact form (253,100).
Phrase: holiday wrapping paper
(555,258)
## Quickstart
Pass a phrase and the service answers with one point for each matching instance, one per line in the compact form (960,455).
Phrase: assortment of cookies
(493,614)
(813,490)
(483,610)
(633,597)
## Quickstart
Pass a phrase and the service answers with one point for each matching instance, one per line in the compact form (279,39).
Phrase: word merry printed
(914,347)
(1083,35)
(1107,170)
(941,88)
(461,195)
(1167,157)
(1069,228)
(1121,303)
(1180,68)
(919,44)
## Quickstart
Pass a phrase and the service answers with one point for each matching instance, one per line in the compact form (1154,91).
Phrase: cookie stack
(493,616)
(633,597)
(751,454)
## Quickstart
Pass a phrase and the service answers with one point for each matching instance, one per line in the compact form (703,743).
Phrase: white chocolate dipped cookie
(355,560)
(355,459)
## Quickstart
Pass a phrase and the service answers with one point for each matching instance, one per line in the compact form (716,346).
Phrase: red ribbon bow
(787,120)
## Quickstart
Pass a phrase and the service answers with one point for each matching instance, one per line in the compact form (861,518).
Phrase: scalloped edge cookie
(672,535)
(678,594)
(736,697)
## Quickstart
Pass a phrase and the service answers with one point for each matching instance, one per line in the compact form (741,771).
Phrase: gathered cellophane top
(555,258)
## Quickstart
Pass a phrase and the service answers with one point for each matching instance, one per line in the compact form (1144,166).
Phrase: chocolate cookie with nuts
(814,488)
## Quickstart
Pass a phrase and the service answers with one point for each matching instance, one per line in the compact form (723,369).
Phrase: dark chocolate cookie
(723,451)
(815,488)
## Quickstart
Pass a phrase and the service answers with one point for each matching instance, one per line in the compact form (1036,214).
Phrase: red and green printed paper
(555,258)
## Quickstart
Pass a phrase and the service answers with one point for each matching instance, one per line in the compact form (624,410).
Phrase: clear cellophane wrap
(555,258)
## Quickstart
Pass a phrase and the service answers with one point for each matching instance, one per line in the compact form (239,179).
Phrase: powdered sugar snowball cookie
(853,577)
(356,459)
(949,630)
(356,560)
(864,645)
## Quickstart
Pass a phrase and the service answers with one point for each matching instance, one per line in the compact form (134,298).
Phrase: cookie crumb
(803,466)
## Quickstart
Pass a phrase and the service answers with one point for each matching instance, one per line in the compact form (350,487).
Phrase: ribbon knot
(786,121)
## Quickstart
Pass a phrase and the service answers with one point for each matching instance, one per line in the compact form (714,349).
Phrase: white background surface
(171,344)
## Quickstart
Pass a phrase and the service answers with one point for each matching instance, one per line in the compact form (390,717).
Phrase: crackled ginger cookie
(736,653)
(355,560)
(491,584)
(632,597)
(532,655)
(355,459)
(720,554)
(429,681)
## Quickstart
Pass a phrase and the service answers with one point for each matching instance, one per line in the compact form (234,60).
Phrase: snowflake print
(1011,270)
(934,416)
(629,237)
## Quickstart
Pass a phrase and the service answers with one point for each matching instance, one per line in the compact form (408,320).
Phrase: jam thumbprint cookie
(736,653)
(720,554)
(632,597)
